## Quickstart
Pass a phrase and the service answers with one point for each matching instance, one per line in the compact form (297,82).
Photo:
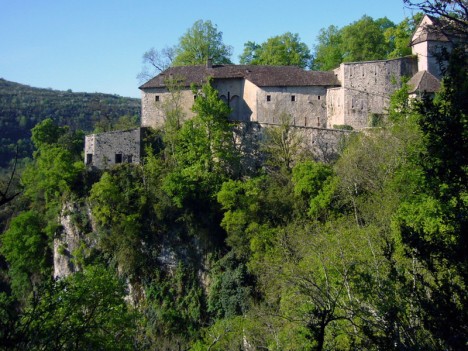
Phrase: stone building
(365,90)
(355,95)
(104,150)
(254,93)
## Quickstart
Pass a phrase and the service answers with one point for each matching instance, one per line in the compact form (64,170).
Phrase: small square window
(129,158)
(293,98)
(156,98)
(268,97)
(89,159)
(118,158)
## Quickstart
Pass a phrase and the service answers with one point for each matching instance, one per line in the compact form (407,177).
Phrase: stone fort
(320,104)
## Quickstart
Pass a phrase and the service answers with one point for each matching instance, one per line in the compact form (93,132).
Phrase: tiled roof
(430,36)
(433,31)
(423,81)
(262,76)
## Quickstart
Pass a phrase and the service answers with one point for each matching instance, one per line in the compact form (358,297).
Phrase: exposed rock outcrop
(71,242)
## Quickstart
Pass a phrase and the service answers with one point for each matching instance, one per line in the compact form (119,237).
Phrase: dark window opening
(268,97)
(129,158)
(118,158)
(89,159)
(318,97)
(293,97)
(156,98)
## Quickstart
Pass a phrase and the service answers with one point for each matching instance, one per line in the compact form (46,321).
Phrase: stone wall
(366,90)
(107,149)
(335,107)
(427,52)
(154,103)
(324,144)
(306,105)
(234,94)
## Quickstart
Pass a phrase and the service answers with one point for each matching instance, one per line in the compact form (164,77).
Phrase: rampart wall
(365,90)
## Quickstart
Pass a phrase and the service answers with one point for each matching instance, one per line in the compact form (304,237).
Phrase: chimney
(209,63)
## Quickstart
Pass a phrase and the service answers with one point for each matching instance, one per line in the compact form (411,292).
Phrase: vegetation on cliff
(197,249)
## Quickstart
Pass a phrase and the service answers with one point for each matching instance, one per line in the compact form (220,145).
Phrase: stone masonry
(354,95)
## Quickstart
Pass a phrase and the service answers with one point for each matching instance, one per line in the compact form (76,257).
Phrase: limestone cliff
(71,242)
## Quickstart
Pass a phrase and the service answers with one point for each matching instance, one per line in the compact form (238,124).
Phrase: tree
(311,272)
(398,37)
(205,152)
(84,311)
(117,204)
(201,42)
(25,247)
(364,40)
(328,52)
(433,222)
(282,50)
(155,61)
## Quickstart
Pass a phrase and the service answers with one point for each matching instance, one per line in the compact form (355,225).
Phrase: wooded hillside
(22,107)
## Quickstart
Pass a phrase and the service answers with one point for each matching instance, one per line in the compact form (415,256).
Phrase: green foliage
(433,222)
(399,36)
(328,53)
(201,42)
(282,50)
(230,289)
(342,126)
(46,133)
(22,107)
(363,40)
(223,335)
(84,311)
(25,247)
(51,175)
(118,204)
(205,153)
(315,184)
(175,306)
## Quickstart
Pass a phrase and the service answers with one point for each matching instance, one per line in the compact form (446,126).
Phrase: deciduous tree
(282,50)
(201,42)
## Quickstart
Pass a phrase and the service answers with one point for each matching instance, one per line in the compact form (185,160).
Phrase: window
(118,158)
(130,158)
(156,98)
(293,98)
(318,97)
(89,159)
(268,97)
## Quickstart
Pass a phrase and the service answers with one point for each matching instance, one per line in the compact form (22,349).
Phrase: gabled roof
(262,76)
(429,29)
(423,81)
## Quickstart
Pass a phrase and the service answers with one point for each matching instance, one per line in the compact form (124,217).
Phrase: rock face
(71,242)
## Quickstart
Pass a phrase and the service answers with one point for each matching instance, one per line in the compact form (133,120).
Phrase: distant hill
(22,107)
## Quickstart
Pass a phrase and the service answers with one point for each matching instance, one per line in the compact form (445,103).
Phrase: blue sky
(97,45)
